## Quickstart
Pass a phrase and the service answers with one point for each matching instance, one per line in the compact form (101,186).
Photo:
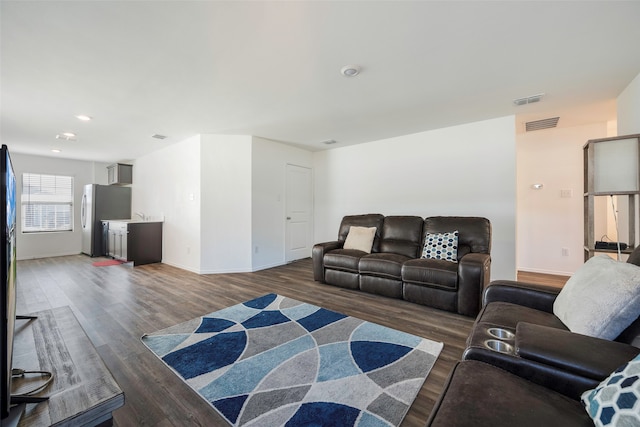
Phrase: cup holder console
(498,338)
(499,346)
(501,334)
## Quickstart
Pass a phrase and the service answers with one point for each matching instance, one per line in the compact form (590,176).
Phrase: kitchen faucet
(141,215)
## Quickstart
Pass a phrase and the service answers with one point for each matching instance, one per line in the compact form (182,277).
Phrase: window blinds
(47,203)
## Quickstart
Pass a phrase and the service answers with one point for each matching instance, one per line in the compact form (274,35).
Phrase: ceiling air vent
(541,124)
(528,100)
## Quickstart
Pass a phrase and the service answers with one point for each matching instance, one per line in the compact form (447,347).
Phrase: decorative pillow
(441,246)
(616,400)
(601,299)
(360,238)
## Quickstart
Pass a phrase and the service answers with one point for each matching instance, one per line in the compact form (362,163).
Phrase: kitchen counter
(132,240)
(129,221)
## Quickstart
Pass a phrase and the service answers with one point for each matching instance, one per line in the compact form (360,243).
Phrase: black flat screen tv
(7,276)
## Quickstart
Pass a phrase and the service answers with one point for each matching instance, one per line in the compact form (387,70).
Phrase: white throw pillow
(601,299)
(360,238)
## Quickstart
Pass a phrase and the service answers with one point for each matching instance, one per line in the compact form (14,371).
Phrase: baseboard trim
(249,270)
(181,267)
(229,271)
(38,256)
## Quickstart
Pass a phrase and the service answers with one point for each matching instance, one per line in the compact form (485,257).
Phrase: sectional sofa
(542,356)
(441,261)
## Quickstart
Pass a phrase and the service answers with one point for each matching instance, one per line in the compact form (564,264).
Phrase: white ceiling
(271,69)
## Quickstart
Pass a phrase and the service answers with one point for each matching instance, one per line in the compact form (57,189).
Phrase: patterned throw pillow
(616,400)
(441,246)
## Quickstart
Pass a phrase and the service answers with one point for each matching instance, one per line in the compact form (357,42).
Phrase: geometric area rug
(275,361)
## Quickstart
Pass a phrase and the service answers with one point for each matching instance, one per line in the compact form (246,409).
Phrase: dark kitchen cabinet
(139,242)
(120,174)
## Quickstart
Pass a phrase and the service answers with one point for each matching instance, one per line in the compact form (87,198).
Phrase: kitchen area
(108,227)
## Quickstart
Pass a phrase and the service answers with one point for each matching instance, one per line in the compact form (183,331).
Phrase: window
(47,203)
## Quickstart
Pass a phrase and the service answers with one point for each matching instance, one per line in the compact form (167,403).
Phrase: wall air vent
(158,136)
(528,100)
(67,136)
(541,124)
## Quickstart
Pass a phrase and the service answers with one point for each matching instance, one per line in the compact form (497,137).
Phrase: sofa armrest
(554,378)
(473,275)
(539,297)
(317,256)
(586,356)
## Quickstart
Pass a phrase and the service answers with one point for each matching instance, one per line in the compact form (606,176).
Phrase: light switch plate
(566,193)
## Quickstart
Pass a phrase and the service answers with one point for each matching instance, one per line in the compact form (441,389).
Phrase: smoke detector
(350,70)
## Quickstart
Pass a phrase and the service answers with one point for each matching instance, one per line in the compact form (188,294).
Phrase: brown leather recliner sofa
(395,268)
(541,347)
(522,366)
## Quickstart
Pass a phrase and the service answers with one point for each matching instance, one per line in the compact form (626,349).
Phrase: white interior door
(299,211)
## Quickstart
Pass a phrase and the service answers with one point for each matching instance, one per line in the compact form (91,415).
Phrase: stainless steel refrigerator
(101,202)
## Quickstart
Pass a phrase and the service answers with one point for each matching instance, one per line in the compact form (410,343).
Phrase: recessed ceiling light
(83,117)
(69,134)
(350,70)
(56,150)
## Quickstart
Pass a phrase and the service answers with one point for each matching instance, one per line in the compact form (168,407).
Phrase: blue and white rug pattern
(275,361)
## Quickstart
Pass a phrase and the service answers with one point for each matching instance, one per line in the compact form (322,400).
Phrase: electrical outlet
(565,251)
(255,250)
(566,193)
(188,249)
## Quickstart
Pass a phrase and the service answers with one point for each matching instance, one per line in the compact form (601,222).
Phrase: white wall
(167,183)
(226,203)
(100,174)
(220,195)
(42,245)
(628,109)
(628,105)
(547,222)
(466,170)
(269,162)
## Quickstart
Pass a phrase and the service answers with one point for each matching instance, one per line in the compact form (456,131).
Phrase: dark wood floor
(543,279)
(116,305)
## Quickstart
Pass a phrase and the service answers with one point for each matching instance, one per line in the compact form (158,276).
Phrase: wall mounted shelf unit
(612,170)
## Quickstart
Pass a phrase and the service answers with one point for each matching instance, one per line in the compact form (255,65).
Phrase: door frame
(310,229)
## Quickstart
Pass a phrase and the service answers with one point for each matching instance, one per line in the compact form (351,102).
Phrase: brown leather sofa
(522,366)
(479,394)
(539,346)
(491,392)
(394,268)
